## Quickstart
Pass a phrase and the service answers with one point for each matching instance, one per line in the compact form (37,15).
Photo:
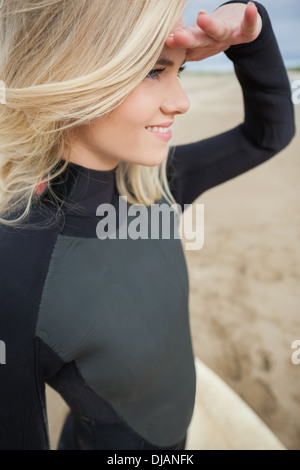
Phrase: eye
(182,69)
(154,74)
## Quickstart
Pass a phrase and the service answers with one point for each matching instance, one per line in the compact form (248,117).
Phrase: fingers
(181,38)
(214,28)
(229,25)
(170,41)
(250,22)
(189,38)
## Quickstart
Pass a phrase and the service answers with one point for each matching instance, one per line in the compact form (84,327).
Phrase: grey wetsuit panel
(123,319)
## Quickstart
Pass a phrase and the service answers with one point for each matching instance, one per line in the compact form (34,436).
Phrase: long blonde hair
(65,63)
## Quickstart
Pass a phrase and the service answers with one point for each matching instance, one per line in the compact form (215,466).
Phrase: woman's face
(138,131)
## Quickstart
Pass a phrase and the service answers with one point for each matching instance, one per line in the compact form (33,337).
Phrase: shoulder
(26,240)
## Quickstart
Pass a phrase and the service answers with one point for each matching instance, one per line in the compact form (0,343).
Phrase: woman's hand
(235,23)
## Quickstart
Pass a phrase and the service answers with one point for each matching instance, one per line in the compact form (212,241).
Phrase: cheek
(139,109)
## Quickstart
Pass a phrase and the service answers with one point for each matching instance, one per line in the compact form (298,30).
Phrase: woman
(91,92)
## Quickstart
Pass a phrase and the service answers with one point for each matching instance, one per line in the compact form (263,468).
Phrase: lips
(161,131)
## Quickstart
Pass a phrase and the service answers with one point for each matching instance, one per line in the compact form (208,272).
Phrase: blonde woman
(89,93)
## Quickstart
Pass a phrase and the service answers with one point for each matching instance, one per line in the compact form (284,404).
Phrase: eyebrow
(167,62)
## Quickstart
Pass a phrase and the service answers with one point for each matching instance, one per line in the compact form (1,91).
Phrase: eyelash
(158,72)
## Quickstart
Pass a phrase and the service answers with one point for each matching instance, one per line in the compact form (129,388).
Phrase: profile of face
(138,130)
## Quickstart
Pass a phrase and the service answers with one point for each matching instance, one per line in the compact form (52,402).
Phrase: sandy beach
(244,282)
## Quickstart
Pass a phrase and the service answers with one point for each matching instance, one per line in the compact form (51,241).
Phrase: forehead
(176,57)
(179,24)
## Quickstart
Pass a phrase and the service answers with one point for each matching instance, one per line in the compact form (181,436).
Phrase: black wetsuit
(105,322)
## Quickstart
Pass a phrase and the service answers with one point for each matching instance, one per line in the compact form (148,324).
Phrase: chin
(156,160)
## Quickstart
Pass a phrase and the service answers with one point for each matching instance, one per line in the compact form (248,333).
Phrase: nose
(175,101)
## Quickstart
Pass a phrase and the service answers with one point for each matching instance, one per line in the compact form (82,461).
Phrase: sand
(244,282)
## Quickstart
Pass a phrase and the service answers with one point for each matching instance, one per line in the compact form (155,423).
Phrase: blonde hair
(65,63)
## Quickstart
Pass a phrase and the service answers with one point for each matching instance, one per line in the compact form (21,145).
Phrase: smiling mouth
(161,130)
(163,133)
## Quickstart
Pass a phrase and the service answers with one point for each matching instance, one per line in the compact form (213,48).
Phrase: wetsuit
(105,322)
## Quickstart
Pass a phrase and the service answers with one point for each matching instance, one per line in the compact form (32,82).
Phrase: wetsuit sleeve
(25,257)
(268,124)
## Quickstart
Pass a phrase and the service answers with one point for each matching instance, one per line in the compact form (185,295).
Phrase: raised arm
(268,125)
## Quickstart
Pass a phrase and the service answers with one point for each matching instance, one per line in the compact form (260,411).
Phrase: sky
(285,17)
